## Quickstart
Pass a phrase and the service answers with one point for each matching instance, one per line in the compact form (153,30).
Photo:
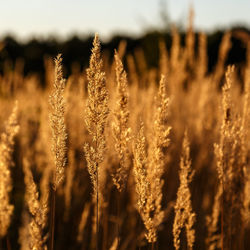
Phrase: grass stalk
(97,204)
(8,242)
(52,219)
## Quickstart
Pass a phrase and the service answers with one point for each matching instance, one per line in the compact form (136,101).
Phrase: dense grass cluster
(123,156)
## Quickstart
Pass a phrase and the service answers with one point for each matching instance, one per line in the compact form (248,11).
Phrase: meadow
(123,156)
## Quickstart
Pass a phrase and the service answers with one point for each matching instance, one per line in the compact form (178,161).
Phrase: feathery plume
(230,167)
(59,137)
(121,130)
(160,141)
(6,150)
(57,122)
(140,171)
(96,112)
(246,136)
(37,208)
(96,115)
(184,215)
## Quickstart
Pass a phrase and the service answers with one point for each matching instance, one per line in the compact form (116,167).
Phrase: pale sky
(27,18)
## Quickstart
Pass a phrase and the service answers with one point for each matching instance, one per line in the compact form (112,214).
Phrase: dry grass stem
(37,208)
(120,126)
(156,162)
(96,112)
(184,215)
(140,170)
(57,122)
(230,167)
(6,150)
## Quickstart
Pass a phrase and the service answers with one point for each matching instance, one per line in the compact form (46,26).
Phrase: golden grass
(6,161)
(95,116)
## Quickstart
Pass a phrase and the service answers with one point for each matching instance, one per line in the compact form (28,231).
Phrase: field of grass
(123,156)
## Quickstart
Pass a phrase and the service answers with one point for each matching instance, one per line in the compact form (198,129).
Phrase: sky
(62,18)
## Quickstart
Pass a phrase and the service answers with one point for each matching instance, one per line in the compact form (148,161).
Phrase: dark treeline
(77,50)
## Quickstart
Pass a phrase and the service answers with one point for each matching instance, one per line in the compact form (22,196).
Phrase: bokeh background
(33,30)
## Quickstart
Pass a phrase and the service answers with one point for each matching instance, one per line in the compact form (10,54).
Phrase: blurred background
(33,30)
(153,37)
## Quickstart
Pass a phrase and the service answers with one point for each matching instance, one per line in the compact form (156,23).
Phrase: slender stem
(8,242)
(118,218)
(52,219)
(105,224)
(152,246)
(222,219)
(97,216)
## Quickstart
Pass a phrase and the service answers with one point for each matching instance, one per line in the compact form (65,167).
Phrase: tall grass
(96,115)
(59,137)
(6,161)
(118,139)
